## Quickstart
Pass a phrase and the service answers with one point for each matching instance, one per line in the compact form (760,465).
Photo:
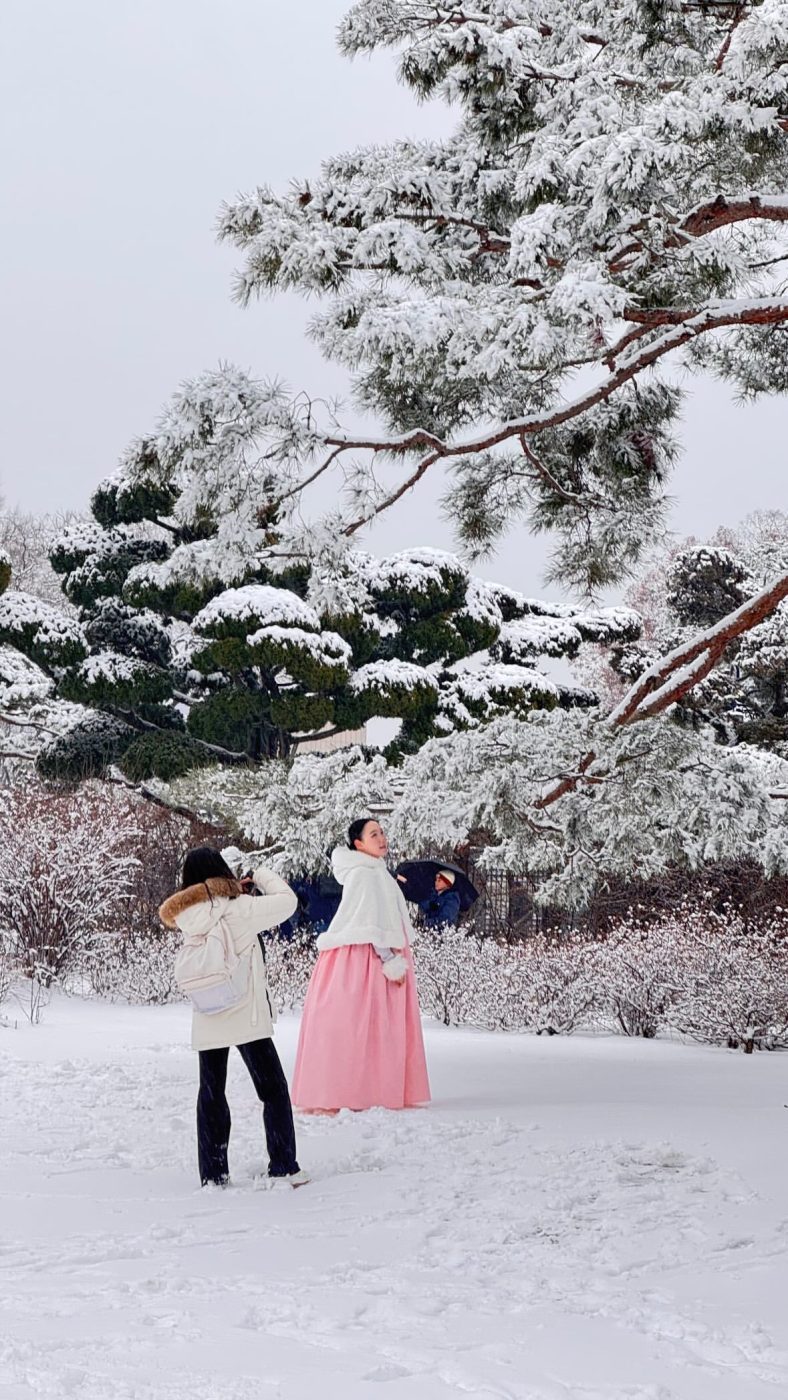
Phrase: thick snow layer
(327,648)
(495,678)
(259,605)
(183,641)
(416,569)
(21,681)
(391,675)
(110,666)
(572,1219)
(535,636)
(481,602)
(20,611)
(198,563)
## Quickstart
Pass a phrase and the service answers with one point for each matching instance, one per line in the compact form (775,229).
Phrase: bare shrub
(555,985)
(289,964)
(639,971)
(134,959)
(65,872)
(461,978)
(136,966)
(733,984)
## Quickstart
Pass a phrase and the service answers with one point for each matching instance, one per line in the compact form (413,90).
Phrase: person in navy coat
(443,905)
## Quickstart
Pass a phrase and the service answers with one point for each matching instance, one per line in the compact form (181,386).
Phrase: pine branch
(28,724)
(225,755)
(761,311)
(554,484)
(299,739)
(142,790)
(395,496)
(735,22)
(672,677)
(667,680)
(302,485)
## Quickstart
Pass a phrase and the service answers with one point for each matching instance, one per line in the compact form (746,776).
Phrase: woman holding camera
(223,970)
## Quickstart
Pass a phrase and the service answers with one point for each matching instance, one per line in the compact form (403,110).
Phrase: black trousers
(213,1111)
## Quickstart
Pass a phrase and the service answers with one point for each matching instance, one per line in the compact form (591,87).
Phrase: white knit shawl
(373,908)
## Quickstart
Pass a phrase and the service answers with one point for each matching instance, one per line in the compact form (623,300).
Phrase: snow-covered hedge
(66,865)
(696,973)
(289,964)
(82,875)
(135,966)
(699,974)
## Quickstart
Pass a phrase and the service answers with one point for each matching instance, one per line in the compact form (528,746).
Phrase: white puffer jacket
(373,908)
(218,908)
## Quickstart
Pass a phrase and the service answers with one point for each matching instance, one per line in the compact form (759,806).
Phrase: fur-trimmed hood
(344,862)
(217,887)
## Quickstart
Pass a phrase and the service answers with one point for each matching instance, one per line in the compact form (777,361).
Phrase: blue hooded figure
(443,905)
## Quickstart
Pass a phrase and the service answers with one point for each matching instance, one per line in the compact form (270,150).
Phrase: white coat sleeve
(249,914)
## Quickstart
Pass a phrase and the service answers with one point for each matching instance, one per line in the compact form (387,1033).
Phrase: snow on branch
(612,198)
(673,676)
(255,606)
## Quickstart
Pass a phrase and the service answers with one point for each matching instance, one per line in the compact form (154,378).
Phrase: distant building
(344,740)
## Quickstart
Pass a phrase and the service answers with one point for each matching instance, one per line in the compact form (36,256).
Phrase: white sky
(124,125)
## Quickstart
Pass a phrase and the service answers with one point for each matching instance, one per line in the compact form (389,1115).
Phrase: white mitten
(395,968)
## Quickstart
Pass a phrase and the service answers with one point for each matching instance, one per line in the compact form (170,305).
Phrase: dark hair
(204,863)
(355,831)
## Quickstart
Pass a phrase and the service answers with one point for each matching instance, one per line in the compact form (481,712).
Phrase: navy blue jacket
(438,909)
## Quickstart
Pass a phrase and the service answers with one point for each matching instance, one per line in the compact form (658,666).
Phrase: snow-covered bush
(134,966)
(712,976)
(698,973)
(554,988)
(65,870)
(133,960)
(538,986)
(462,979)
(82,875)
(733,985)
(289,964)
(639,970)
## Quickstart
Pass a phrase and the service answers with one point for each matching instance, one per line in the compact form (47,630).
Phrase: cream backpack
(211,974)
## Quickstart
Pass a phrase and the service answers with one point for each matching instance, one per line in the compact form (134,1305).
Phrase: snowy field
(580,1219)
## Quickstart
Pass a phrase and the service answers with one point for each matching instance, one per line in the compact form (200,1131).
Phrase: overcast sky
(125,123)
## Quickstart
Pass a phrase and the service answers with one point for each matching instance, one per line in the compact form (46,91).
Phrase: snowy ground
(580,1219)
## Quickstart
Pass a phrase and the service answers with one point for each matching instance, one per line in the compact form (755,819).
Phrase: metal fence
(507,907)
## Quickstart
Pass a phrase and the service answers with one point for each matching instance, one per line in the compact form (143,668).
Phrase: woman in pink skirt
(361,1044)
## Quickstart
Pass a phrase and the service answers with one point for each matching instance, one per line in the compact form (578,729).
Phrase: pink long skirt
(360,1044)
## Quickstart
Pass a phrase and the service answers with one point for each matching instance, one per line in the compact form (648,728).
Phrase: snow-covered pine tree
(205,631)
(37,640)
(691,586)
(516,300)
